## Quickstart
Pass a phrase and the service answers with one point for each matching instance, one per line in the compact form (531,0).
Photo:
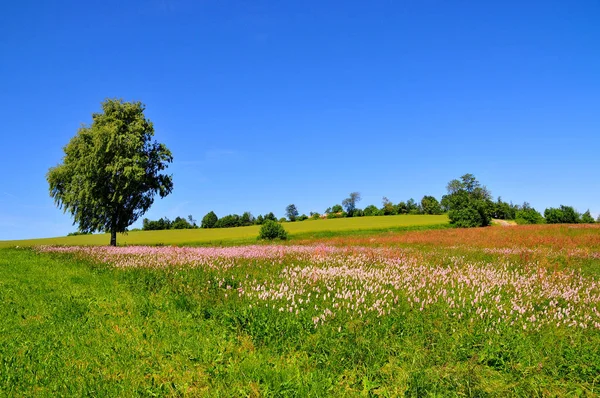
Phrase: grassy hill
(241,234)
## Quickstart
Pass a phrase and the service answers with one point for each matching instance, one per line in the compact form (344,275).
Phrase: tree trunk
(113,237)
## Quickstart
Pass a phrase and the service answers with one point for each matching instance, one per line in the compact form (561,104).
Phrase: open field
(488,312)
(241,234)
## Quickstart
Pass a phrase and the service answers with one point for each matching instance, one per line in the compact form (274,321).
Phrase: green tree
(586,218)
(247,219)
(209,220)
(350,203)
(388,208)
(562,215)
(430,205)
(468,203)
(528,215)
(291,212)
(111,170)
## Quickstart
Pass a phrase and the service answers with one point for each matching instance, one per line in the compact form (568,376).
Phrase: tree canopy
(111,170)
(468,203)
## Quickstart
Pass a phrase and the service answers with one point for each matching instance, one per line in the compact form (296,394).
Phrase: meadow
(497,311)
(245,235)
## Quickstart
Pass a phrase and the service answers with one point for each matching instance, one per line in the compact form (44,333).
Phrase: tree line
(467,203)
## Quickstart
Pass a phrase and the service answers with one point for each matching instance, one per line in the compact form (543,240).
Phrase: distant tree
(586,218)
(111,170)
(562,215)
(371,210)
(259,220)
(228,221)
(181,223)
(314,215)
(270,216)
(247,219)
(528,215)
(337,209)
(291,212)
(158,225)
(504,211)
(192,221)
(388,208)
(430,205)
(302,217)
(350,203)
(413,207)
(401,208)
(209,220)
(468,203)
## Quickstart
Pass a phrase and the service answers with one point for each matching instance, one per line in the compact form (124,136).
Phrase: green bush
(528,215)
(272,230)
(467,217)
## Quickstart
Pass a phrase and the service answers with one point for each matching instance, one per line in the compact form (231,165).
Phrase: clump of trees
(468,203)
(165,223)
(567,215)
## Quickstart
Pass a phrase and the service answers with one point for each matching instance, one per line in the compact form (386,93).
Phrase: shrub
(467,217)
(529,215)
(272,230)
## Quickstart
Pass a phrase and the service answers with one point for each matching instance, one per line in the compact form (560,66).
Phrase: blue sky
(267,103)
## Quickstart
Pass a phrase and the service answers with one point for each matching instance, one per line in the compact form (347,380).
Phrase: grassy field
(489,312)
(240,235)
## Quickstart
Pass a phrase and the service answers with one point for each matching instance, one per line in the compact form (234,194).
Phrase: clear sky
(267,103)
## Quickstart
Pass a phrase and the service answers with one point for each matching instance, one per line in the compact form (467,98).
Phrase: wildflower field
(499,311)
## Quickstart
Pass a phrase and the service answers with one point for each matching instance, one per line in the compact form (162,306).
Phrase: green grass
(73,328)
(219,236)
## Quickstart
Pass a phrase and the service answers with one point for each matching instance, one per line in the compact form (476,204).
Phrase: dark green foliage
(182,223)
(270,216)
(528,215)
(160,224)
(291,212)
(586,218)
(247,219)
(209,220)
(77,233)
(337,209)
(350,203)
(504,211)
(468,203)
(111,170)
(165,223)
(466,217)
(272,230)
(302,217)
(562,215)
(413,207)
(371,210)
(430,205)
(388,208)
(401,208)
(228,221)
(259,220)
